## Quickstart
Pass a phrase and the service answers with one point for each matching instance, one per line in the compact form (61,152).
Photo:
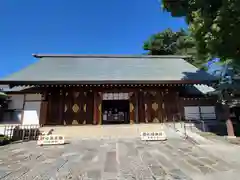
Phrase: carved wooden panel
(54,107)
(171,105)
(88,107)
(153,107)
(73,107)
(73,102)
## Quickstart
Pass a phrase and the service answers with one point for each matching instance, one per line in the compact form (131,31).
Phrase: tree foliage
(215,25)
(173,43)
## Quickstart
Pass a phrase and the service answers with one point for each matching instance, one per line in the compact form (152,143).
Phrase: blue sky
(76,26)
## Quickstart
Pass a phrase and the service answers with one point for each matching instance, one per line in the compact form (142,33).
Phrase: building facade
(92,89)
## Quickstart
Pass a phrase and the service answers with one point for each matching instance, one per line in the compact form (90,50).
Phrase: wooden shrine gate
(85,107)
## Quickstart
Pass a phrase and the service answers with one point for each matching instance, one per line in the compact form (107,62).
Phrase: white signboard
(153,136)
(50,140)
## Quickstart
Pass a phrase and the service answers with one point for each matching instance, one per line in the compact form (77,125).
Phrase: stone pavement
(114,159)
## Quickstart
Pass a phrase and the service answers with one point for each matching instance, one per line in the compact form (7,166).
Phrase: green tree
(214,24)
(173,43)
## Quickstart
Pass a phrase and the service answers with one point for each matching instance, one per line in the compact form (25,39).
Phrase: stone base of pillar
(231,137)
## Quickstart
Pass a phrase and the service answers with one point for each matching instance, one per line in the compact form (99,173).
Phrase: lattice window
(115,96)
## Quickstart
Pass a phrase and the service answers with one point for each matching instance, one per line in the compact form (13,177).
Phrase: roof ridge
(106,56)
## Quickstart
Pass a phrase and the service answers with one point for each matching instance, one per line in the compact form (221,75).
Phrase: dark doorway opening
(115,112)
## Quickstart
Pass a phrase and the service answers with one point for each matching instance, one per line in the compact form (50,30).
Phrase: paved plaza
(112,159)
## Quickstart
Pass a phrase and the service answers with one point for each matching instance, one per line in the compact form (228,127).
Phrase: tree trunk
(230,129)
(229,124)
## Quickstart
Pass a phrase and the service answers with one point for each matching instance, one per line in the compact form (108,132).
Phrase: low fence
(22,132)
(196,124)
(193,124)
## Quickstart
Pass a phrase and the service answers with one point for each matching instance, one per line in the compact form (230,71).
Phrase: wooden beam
(141,107)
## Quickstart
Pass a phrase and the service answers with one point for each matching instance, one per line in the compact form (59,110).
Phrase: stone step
(112,131)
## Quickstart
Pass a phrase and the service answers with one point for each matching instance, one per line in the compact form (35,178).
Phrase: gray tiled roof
(6,88)
(199,89)
(109,68)
(16,88)
(3,87)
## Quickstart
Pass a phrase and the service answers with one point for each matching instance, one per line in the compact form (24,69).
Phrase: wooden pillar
(164,106)
(100,108)
(148,107)
(67,112)
(43,110)
(136,107)
(132,104)
(145,97)
(97,108)
(23,107)
(61,106)
(159,100)
(141,107)
(90,108)
(179,107)
(167,104)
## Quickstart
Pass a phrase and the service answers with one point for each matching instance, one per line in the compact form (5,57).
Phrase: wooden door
(153,107)
(54,109)
(171,105)
(78,108)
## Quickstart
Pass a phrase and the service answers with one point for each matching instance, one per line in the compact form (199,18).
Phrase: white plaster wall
(28,112)
(33,97)
(198,112)
(16,104)
(31,113)
(16,101)
(208,112)
(191,112)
